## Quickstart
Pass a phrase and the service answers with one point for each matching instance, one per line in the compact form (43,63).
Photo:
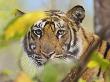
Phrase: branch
(77,71)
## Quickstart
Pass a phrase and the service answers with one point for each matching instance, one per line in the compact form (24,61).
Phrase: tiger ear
(77,14)
(19,12)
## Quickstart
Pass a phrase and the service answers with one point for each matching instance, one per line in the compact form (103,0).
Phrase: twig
(77,71)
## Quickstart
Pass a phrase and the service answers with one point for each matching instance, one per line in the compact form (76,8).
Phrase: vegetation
(13,29)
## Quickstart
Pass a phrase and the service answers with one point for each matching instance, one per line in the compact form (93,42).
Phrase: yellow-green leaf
(23,77)
(92,64)
(81,80)
(21,25)
(104,63)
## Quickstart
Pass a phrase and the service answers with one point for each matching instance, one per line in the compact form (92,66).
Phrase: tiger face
(55,36)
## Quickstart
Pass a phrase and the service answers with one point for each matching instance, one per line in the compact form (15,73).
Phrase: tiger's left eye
(60,33)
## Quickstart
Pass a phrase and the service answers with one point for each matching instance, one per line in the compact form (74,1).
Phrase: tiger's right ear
(19,12)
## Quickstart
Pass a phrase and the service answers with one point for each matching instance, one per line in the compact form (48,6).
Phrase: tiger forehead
(56,21)
(55,12)
(56,18)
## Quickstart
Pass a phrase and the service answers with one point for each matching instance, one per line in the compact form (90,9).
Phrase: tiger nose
(48,55)
(47,49)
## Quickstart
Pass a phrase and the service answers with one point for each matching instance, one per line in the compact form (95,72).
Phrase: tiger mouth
(40,60)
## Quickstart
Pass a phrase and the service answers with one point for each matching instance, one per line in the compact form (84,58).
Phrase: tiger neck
(88,39)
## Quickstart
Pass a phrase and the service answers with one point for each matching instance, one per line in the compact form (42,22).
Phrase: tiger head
(55,36)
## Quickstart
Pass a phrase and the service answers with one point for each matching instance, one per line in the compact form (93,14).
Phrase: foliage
(18,27)
(50,74)
(23,77)
(81,80)
(98,60)
(6,72)
(6,12)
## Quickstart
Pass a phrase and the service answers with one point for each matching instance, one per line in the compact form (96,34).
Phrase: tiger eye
(38,32)
(60,32)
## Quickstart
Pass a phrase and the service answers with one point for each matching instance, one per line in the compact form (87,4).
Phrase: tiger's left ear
(77,14)
(19,12)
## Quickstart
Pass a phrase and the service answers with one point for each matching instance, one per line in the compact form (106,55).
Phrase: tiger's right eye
(38,32)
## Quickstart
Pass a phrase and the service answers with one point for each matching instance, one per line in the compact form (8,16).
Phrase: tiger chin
(60,35)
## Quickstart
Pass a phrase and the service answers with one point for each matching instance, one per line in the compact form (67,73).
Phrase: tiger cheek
(64,38)
(37,43)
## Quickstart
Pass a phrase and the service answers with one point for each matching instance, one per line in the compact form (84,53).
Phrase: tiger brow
(59,25)
(49,22)
(38,26)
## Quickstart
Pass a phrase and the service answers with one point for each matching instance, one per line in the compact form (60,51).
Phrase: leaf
(23,77)
(81,80)
(92,64)
(6,72)
(107,75)
(19,26)
(50,74)
(97,59)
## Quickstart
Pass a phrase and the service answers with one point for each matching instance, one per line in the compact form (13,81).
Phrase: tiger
(60,35)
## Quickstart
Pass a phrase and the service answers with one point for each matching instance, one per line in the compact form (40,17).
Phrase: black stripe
(100,44)
(32,36)
(107,49)
(99,72)
(49,22)
(105,54)
(28,36)
(26,44)
(69,45)
(75,38)
(85,35)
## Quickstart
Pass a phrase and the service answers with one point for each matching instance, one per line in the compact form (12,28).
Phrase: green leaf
(97,57)
(6,72)
(81,80)
(50,74)
(92,64)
